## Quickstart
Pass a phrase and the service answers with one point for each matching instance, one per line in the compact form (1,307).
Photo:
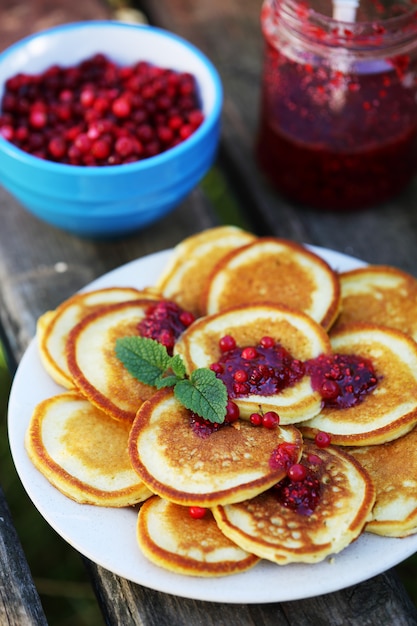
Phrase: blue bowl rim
(145,164)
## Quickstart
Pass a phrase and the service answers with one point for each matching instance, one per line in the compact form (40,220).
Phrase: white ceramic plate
(107,536)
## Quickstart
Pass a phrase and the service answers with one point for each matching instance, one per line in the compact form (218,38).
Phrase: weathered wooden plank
(380,600)
(19,600)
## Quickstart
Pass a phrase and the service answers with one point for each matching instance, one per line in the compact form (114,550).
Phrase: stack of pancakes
(214,505)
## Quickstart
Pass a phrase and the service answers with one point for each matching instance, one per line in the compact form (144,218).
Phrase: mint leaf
(168,380)
(177,366)
(204,394)
(146,359)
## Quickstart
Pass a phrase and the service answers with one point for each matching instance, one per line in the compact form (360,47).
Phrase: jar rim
(310,24)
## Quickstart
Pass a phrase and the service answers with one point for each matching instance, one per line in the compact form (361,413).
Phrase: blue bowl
(110,201)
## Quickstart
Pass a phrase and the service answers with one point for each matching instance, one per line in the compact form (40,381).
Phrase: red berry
(270,419)
(82,143)
(322,440)
(100,149)
(195,118)
(187,318)
(256,419)
(22,133)
(175,122)
(240,389)
(124,146)
(7,132)
(249,353)
(37,119)
(66,95)
(197,512)
(57,147)
(297,472)
(226,343)
(186,131)
(121,107)
(329,390)
(165,134)
(217,368)
(240,376)
(267,342)
(87,97)
(283,456)
(232,412)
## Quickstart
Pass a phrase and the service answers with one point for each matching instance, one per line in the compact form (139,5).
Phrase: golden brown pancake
(274,270)
(169,537)
(379,294)
(54,326)
(93,364)
(393,469)
(230,464)
(276,527)
(185,275)
(390,410)
(83,452)
(295,331)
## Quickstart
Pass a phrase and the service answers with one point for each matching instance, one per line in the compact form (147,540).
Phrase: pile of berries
(99,113)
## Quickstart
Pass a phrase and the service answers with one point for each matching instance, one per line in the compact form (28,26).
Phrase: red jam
(164,321)
(261,370)
(203,428)
(301,496)
(343,380)
(338,122)
(284,455)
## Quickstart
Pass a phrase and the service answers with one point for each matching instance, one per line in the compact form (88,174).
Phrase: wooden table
(41,266)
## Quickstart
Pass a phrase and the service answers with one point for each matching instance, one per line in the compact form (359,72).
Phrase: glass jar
(338,120)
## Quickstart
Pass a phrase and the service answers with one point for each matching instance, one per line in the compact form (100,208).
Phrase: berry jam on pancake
(201,346)
(306,519)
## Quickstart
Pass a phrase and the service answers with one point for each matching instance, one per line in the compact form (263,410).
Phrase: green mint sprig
(149,362)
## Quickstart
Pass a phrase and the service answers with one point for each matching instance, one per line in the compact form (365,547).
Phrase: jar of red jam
(338,120)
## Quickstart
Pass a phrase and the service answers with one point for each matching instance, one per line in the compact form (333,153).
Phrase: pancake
(381,295)
(169,537)
(82,452)
(336,508)
(393,469)
(94,366)
(54,326)
(184,276)
(182,465)
(390,410)
(295,331)
(274,270)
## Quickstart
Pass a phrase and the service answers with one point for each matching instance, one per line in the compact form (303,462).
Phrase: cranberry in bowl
(105,126)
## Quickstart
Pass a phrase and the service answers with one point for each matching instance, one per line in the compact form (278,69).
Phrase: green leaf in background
(204,394)
(146,359)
